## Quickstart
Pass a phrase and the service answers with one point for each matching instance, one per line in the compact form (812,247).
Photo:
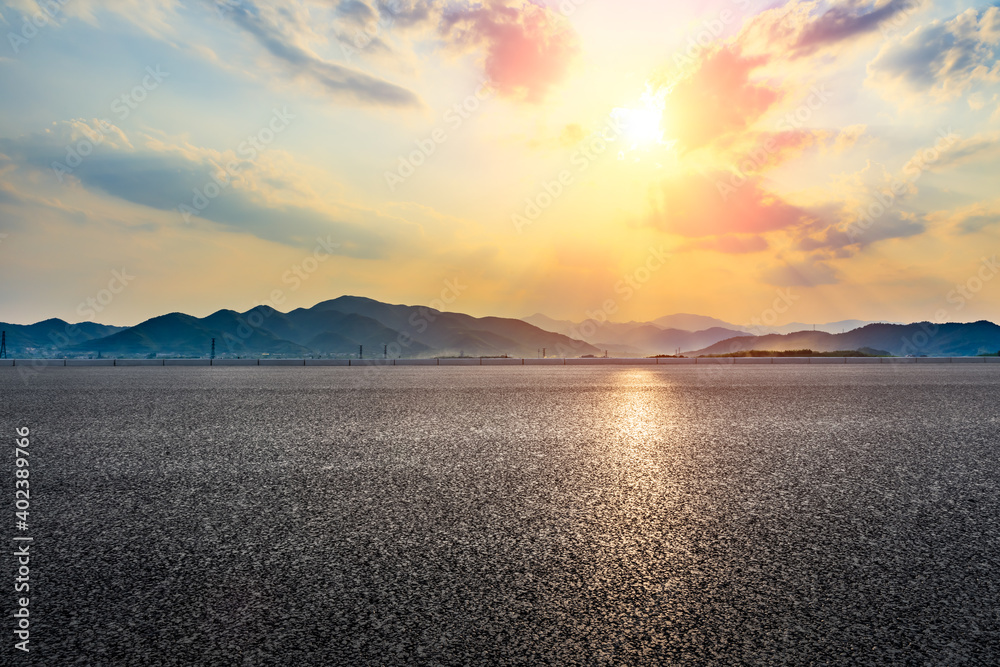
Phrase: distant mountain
(340,326)
(924,338)
(44,338)
(683,331)
(548,324)
(591,331)
(654,340)
(456,333)
(184,335)
(689,322)
(645,337)
(336,327)
(842,326)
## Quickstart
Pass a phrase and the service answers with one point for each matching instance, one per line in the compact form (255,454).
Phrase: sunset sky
(512,157)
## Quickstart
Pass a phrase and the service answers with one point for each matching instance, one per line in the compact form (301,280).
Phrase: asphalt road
(602,516)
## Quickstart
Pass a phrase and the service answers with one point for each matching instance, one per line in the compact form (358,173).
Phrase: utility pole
(361,351)
(213,348)
(385,351)
(543,353)
(3,345)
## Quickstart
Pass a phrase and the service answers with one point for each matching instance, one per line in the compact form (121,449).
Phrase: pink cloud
(528,48)
(701,205)
(768,150)
(718,98)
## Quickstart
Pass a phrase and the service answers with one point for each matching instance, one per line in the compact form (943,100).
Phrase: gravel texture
(577,515)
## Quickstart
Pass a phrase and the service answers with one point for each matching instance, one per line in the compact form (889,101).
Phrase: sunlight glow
(638,412)
(641,127)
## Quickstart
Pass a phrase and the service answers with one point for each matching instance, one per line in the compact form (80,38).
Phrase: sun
(641,126)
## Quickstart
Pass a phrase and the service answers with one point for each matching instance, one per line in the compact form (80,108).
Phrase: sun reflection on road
(640,415)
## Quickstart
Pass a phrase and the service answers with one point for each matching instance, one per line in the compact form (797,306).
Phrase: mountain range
(694,323)
(922,338)
(52,334)
(341,327)
(632,338)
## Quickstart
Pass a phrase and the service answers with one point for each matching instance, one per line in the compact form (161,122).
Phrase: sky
(800,161)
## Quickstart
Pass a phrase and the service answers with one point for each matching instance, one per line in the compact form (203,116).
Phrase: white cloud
(940,60)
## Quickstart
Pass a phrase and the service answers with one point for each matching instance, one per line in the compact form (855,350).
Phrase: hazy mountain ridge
(842,326)
(689,322)
(667,341)
(637,337)
(686,322)
(923,338)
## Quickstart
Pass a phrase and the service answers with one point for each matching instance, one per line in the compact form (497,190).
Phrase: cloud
(404,13)
(357,12)
(343,82)
(164,177)
(367,22)
(731,244)
(872,205)
(800,29)
(977,223)
(717,101)
(979,148)
(723,91)
(847,21)
(969,220)
(801,274)
(716,98)
(848,137)
(757,152)
(153,18)
(941,59)
(857,230)
(702,205)
(528,48)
